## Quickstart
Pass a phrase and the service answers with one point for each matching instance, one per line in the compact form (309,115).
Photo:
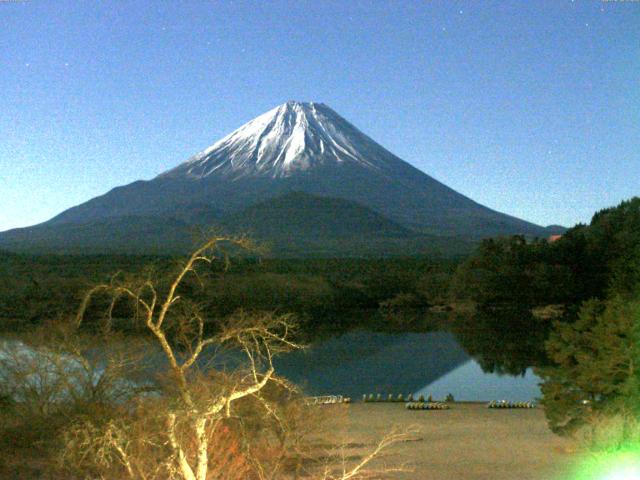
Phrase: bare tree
(362,468)
(178,328)
(198,415)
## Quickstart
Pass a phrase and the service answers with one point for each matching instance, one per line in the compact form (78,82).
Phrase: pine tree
(596,364)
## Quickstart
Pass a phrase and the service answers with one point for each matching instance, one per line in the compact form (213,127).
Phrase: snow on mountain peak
(290,138)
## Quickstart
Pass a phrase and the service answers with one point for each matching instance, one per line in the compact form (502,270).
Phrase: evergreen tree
(597,361)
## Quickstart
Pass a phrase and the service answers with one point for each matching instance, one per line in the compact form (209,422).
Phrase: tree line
(332,294)
(571,307)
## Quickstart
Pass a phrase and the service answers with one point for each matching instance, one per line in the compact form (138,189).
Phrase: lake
(363,362)
(433,363)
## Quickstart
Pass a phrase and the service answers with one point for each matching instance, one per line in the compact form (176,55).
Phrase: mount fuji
(299,175)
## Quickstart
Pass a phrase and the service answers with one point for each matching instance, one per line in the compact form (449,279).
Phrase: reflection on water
(371,362)
(435,363)
(368,362)
(469,383)
(508,339)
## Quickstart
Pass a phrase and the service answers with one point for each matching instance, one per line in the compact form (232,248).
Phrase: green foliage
(596,363)
(508,278)
(504,340)
(512,270)
(589,361)
(34,289)
(326,294)
(586,262)
(614,236)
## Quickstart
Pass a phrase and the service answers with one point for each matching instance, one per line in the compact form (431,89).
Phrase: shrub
(610,432)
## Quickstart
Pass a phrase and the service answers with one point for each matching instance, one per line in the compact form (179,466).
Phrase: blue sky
(531,108)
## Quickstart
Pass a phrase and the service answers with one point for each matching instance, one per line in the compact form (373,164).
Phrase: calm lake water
(433,363)
(363,362)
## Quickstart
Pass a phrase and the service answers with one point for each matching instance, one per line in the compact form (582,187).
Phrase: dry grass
(468,442)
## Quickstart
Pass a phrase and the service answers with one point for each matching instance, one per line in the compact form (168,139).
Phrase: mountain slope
(126,234)
(300,215)
(295,224)
(302,225)
(296,147)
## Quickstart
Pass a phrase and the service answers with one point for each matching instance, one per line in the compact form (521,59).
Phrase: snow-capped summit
(290,138)
(299,161)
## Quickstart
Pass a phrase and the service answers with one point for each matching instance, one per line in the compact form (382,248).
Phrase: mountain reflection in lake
(469,383)
(362,362)
(434,363)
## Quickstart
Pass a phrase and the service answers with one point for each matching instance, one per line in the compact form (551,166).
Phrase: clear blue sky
(529,107)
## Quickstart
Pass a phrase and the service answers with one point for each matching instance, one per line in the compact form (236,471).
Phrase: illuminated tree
(596,365)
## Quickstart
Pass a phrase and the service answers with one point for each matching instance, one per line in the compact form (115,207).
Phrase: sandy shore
(467,442)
